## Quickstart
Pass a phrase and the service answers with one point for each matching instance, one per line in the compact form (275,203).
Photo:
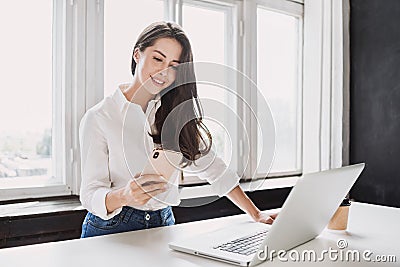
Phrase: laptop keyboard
(245,245)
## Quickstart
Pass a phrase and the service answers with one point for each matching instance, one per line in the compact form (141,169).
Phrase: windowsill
(40,207)
(267,184)
(28,181)
(73,204)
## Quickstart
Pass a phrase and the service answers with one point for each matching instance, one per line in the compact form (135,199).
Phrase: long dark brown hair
(192,141)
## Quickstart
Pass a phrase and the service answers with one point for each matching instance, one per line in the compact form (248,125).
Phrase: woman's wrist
(121,196)
(240,199)
(115,199)
(255,214)
(251,209)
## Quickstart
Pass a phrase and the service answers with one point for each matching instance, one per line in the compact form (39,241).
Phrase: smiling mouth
(157,81)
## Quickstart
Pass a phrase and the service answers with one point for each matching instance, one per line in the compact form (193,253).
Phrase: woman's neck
(137,94)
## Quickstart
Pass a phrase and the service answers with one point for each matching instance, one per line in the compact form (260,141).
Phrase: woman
(115,201)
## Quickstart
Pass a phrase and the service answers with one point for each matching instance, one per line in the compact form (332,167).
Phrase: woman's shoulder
(105,106)
(102,110)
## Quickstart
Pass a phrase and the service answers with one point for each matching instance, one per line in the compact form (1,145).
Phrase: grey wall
(375,99)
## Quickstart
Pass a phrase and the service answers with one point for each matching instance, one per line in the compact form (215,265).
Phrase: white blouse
(114,144)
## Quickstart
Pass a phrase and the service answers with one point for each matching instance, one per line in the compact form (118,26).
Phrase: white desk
(370,227)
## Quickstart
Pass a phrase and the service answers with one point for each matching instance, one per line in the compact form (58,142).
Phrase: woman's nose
(163,72)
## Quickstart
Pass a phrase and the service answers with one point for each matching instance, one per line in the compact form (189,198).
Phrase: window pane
(278,79)
(124,20)
(207,45)
(26,94)
(211,51)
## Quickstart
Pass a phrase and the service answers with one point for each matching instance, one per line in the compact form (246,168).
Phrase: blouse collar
(121,100)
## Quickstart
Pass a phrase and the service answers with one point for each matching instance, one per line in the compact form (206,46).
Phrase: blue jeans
(129,219)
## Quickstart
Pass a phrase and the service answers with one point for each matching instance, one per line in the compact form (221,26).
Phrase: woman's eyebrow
(161,53)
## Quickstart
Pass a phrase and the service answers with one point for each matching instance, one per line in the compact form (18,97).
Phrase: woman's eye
(174,67)
(157,59)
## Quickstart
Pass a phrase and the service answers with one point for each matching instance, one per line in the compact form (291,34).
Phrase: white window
(278,67)
(214,45)
(123,22)
(272,42)
(31,138)
(279,70)
(60,60)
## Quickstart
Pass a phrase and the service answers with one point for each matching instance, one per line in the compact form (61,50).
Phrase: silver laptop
(305,213)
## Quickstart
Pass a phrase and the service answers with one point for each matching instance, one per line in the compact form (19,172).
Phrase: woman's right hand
(140,190)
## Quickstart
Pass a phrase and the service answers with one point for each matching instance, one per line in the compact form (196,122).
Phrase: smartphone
(163,162)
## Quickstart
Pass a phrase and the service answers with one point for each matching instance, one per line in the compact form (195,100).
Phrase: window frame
(78,80)
(316,154)
(296,10)
(322,75)
(232,41)
(64,50)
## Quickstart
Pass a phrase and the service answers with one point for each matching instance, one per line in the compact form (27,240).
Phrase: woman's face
(156,64)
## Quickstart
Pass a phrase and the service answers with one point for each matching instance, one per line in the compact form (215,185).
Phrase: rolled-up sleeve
(214,170)
(94,167)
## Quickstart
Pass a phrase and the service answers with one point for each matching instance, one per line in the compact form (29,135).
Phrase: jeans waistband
(161,212)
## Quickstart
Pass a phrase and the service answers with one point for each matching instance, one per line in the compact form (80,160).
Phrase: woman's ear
(136,55)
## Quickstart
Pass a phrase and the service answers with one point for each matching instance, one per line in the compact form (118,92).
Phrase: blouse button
(147,217)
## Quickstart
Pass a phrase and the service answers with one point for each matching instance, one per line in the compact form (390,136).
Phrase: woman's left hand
(265,218)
